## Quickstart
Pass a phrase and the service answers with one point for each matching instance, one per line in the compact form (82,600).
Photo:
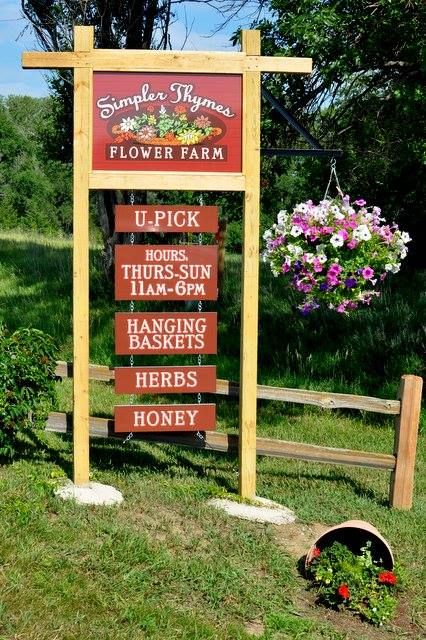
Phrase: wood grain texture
(250,272)
(83,41)
(322,399)
(166,61)
(167,180)
(406,430)
(228,443)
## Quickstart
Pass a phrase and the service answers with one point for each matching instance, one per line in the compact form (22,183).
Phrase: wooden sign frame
(249,63)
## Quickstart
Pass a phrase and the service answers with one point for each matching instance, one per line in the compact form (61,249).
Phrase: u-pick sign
(165,272)
(166,218)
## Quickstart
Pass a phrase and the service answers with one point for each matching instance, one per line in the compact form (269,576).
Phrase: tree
(366,94)
(125,24)
(34,190)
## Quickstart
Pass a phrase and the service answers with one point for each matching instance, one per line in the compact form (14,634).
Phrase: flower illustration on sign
(163,126)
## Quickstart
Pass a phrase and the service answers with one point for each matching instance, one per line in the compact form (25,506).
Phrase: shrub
(27,372)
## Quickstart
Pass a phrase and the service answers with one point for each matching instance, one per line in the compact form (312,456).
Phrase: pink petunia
(367,273)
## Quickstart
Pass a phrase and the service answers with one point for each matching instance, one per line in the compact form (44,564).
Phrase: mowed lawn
(165,564)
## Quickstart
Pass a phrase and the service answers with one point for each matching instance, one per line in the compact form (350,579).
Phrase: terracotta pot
(354,534)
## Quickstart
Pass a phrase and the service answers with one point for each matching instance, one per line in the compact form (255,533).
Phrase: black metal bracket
(316,150)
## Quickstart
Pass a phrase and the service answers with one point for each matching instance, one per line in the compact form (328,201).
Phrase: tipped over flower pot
(355,534)
(351,567)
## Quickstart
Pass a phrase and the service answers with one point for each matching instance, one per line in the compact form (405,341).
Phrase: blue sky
(14,39)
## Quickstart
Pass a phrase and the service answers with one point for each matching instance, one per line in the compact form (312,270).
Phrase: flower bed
(335,254)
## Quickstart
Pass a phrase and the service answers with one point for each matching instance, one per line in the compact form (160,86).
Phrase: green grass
(164,564)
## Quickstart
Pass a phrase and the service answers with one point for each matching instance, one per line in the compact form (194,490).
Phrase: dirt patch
(296,540)
(254,628)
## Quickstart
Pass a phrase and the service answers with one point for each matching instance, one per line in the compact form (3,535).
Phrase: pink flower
(367,273)
(352,244)
(317,265)
(334,269)
(360,202)
(343,234)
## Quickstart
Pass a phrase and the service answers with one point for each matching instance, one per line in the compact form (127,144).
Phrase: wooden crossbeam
(178,61)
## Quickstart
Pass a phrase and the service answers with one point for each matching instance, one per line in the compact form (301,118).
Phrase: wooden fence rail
(401,463)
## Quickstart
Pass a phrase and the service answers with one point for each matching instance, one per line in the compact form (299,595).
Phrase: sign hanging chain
(131,309)
(200,308)
(333,174)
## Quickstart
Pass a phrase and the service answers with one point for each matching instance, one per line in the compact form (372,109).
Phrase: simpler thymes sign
(164,121)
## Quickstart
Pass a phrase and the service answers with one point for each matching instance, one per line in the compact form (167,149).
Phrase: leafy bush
(27,371)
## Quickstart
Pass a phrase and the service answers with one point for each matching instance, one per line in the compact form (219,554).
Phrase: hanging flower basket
(336,254)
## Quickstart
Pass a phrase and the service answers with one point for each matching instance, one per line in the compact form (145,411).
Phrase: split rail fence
(405,409)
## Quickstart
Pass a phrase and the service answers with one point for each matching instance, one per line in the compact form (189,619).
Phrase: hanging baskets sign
(167,122)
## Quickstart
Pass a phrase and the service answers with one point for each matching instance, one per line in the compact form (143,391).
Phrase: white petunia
(393,268)
(362,232)
(282,216)
(267,234)
(294,250)
(336,240)
(405,237)
(296,230)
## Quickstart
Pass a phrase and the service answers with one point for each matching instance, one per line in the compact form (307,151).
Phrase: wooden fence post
(406,428)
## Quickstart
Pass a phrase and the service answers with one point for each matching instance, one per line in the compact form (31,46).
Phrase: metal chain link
(131,309)
(333,174)
(200,308)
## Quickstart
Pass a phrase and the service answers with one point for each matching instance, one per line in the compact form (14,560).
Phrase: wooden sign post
(228,166)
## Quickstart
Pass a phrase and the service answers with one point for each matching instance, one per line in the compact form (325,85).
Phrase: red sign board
(167,122)
(165,417)
(142,380)
(165,272)
(165,333)
(166,218)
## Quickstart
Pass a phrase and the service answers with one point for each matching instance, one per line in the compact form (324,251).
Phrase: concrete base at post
(260,510)
(92,493)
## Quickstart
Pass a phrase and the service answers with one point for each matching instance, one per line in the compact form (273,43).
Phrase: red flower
(180,108)
(344,592)
(387,577)
(316,552)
